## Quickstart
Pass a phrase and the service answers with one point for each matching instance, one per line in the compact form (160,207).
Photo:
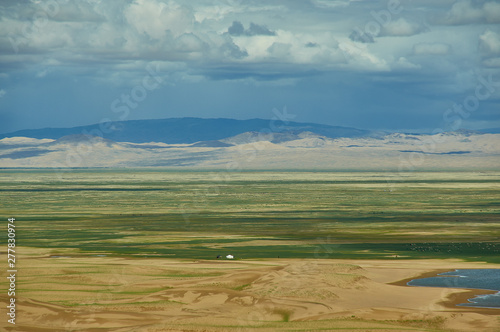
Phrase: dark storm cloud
(334,61)
(237,29)
(259,30)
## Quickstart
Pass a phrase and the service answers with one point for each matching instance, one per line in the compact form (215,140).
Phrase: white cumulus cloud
(468,12)
(489,42)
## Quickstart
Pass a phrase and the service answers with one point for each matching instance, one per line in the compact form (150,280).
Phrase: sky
(402,65)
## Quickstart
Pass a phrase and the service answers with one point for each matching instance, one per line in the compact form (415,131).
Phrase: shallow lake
(471,279)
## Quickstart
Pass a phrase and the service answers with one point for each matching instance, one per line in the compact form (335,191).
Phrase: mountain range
(186,130)
(245,144)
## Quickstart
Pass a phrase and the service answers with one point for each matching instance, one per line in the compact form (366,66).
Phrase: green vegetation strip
(201,215)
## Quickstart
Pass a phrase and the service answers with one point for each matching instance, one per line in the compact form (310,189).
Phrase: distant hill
(189,130)
(491,131)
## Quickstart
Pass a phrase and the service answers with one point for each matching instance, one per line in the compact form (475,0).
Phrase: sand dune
(78,293)
(456,151)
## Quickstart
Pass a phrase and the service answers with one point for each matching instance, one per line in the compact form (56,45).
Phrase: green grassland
(199,215)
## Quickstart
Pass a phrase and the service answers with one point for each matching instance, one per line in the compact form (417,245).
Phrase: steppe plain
(135,250)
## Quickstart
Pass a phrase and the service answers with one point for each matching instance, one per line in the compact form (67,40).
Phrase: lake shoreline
(454,299)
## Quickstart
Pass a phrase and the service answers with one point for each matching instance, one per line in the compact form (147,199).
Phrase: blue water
(475,279)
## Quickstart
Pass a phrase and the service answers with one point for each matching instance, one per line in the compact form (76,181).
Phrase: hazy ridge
(185,130)
(294,146)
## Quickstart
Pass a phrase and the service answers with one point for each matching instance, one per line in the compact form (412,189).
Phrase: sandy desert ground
(70,292)
(391,152)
